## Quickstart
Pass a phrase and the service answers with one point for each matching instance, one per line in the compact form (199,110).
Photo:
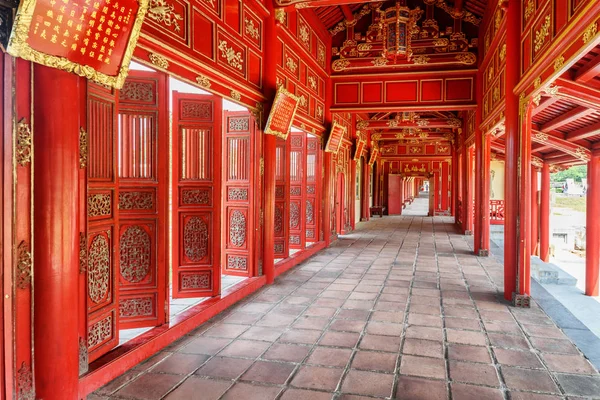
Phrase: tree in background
(576,173)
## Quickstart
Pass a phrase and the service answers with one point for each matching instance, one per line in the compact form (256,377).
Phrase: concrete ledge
(548,273)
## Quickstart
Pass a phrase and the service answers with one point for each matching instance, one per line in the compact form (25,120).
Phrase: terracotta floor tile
(465,337)
(423,332)
(368,383)
(380,343)
(425,320)
(328,356)
(384,328)
(262,333)
(300,336)
(286,352)
(544,331)
(424,309)
(347,325)
(528,379)
(517,358)
(462,324)
(245,348)
(339,339)
(180,364)
(362,315)
(461,391)
(426,348)
(322,378)
(508,341)
(205,345)
(532,396)
(411,388)
(374,361)
(479,374)
(211,389)
(580,385)
(388,316)
(422,366)
(242,318)
(553,345)
(224,367)
(249,391)
(568,363)
(460,312)
(149,386)
(268,372)
(463,352)
(303,394)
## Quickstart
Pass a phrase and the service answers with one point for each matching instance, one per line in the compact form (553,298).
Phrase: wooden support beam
(589,71)
(566,118)
(584,133)
(547,102)
(578,93)
(317,3)
(347,12)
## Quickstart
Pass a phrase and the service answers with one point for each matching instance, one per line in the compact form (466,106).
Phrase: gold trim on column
(83,148)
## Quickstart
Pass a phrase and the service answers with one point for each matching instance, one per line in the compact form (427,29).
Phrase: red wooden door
(282,184)
(102,243)
(196,195)
(297,189)
(395,195)
(312,202)
(143,199)
(238,194)
(339,204)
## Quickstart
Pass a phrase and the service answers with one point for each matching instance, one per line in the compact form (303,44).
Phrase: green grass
(574,203)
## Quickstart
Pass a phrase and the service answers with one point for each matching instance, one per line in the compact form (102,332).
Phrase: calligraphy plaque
(335,138)
(91,38)
(282,114)
(374,154)
(360,145)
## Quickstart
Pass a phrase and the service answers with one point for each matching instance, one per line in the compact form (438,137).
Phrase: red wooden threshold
(129,354)
(295,259)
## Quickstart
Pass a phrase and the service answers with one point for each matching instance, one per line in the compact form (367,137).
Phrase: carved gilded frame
(283,135)
(18,47)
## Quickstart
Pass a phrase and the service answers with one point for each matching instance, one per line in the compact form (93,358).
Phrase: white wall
(497,180)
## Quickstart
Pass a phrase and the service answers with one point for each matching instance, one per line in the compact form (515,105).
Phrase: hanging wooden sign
(282,114)
(91,38)
(335,138)
(360,146)
(374,154)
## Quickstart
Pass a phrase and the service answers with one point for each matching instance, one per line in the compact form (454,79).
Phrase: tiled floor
(399,309)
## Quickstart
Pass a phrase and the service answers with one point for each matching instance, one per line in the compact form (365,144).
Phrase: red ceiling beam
(547,102)
(584,133)
(421,123)
(562,145)
(318,3)
(347,12)
(566,118)
(578,93)
(589,71)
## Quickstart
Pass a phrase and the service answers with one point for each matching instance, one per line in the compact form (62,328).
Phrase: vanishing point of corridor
(398,309)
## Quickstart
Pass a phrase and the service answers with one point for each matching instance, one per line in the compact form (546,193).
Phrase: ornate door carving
(282,197)
(238,194)
(98,263)
(143,199)
(297,221)
(196,144)
(312,187)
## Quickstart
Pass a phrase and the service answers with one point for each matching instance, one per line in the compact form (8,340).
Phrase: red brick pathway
(399,309)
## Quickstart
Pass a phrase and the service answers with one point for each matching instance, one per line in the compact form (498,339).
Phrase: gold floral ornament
(251,30)
(542,34)
(19,46)
(291,64)
(236,95)
(340,65)
(23,145)
(559,63)
(83,148)
(590,32)
(203,81)
(158,61)
(234,59)
(164,13)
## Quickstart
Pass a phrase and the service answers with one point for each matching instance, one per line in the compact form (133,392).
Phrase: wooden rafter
(547,102)
(566,118)
(584,133)
(589,70)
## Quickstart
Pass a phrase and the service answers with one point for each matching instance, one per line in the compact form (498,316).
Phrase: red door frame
(312,190)
(282,198)
(239,182)
(297,221)
(396,194)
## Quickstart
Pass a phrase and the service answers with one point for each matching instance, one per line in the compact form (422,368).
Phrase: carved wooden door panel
(196,195)
(281,199)
(143,199)
(312,203)
(102,242)
(297,184)
(238,194)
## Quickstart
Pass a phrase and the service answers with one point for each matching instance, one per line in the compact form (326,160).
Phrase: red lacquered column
(56,234)
(484,249)
(524,214)
(511,198)
(545,214)
(592,227)
(470,194)
(534,212)
(269,152)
